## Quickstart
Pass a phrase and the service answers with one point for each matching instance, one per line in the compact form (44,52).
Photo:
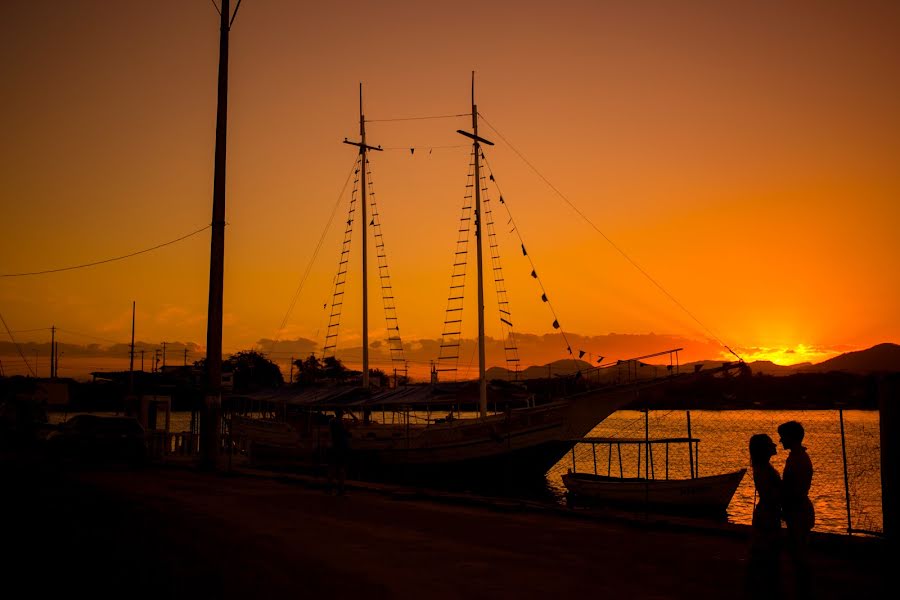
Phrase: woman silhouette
(765,544)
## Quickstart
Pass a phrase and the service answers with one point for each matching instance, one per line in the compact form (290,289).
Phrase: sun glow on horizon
(786,356)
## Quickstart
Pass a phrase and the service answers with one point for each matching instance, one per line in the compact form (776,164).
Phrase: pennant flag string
(534,274)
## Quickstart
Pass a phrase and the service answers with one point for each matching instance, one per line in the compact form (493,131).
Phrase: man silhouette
(339,451)
(797,510)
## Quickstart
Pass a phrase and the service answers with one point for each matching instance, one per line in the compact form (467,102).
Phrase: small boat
(709,494)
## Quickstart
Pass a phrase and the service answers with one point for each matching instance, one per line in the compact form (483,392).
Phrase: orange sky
(745,156)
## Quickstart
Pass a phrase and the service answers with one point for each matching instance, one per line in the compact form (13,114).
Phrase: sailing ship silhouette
(528,431)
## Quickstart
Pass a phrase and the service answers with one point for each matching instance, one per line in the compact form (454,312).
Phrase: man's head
(791,434)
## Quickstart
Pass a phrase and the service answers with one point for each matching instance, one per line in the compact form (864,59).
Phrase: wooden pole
(846,478)
(365,245)
(690,444)
(647,442)
(889,426)
(131,354)
(476,146)
(482,382)
(53,352)
(363,153)
(211,421)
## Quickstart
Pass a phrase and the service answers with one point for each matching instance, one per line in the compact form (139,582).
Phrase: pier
(177,533)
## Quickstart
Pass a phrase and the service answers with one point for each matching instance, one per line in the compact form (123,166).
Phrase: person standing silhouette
(765,543)
(798,512)
(340,449)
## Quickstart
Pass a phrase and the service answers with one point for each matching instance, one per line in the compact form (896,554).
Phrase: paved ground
(174,533)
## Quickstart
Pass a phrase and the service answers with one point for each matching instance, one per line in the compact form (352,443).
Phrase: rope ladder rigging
(340,280)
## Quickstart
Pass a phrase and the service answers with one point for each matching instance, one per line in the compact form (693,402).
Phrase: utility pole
(185,357)
(291,380)
(363,153)
(156,360)
(53,352)
(210,421)
(131,354)
(479,229)
(142,360)
(164,354)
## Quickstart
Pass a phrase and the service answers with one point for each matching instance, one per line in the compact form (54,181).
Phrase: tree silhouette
(253,370)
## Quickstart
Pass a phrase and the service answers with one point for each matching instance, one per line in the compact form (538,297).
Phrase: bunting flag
(412,150)
(569,348)
(599,360)
(555,324)
(501,200)
(492,177)
(581,353)
(534,273)
(524,252)
(544,297)
(372,222)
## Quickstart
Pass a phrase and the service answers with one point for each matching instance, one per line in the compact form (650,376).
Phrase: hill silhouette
(883,358)
(562,367)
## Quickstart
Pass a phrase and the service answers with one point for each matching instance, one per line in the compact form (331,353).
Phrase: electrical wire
(18,347)
(418,118)
(426,147)
(93,337)
(107,260)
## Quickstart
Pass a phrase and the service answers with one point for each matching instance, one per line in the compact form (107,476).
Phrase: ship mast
(363,161)
(476,148)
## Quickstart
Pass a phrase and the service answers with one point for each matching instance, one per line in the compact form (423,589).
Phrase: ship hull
(523,443)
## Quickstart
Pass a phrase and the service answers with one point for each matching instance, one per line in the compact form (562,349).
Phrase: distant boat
(702,495)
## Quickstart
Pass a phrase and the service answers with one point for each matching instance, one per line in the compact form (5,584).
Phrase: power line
(234,14)
(93,337)
(18,347)
(611,243)
(30,330)
(411,148)
(108,260)
(419,118)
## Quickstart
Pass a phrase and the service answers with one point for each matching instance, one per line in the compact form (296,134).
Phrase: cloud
(540,349)
(178,316)
(299,347)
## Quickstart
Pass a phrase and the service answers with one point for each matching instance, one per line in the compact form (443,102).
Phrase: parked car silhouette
(92,438)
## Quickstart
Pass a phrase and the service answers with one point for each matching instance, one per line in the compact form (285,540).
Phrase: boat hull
(710,494)
(523,443)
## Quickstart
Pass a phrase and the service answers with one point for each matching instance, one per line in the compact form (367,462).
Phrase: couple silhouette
(780,498)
